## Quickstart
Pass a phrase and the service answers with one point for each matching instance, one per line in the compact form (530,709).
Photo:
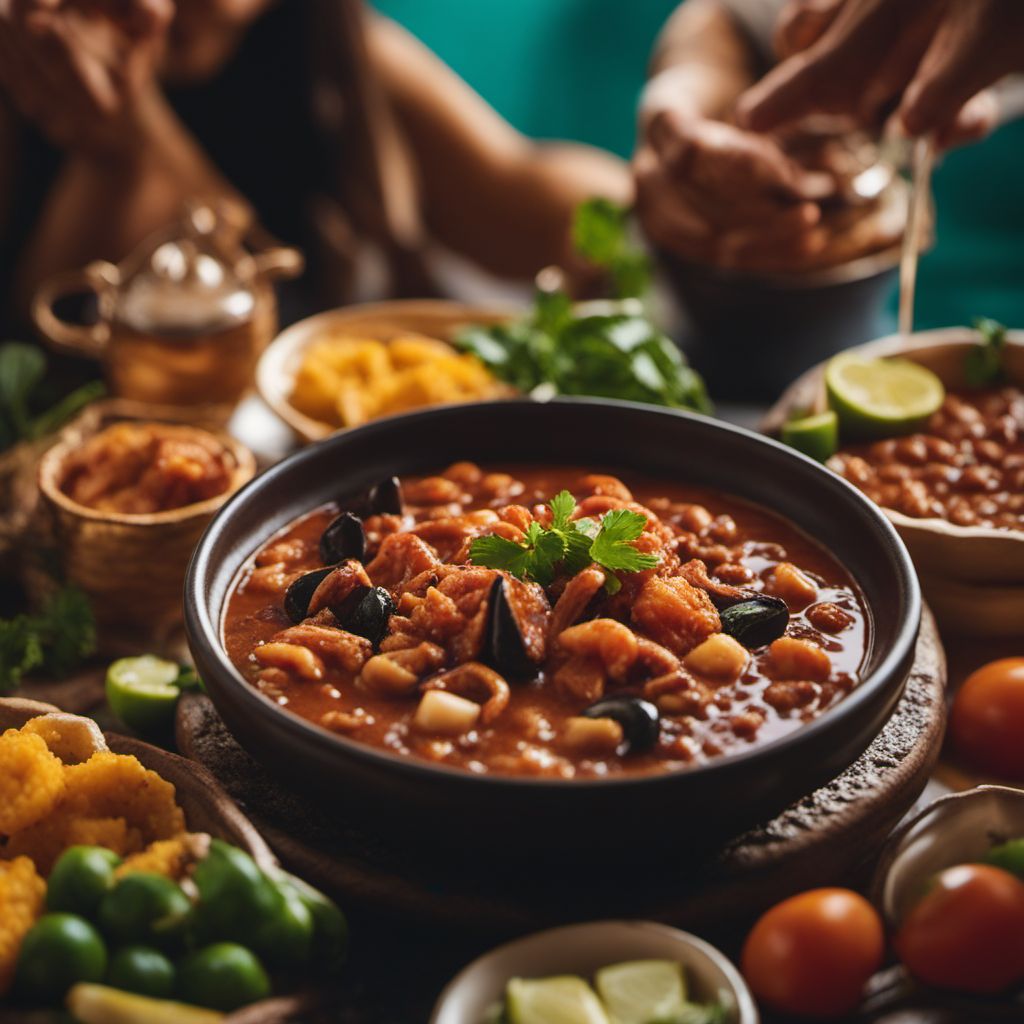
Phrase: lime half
(562,1000)
(881,397)
(142,692)
(642,991)
(816,436)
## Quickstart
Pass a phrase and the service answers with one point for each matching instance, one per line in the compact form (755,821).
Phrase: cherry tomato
(812,954)
(967,933)
(987,722)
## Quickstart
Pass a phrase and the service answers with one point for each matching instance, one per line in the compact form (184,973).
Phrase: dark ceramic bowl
(751,335)
(667,815)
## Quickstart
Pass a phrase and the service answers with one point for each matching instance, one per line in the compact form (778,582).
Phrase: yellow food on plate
(345,380)
(31,780)
(109,800)
(22,892)
(169,857)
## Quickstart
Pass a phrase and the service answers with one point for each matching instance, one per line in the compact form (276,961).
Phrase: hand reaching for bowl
(714,193)
(73,67)
(931,60)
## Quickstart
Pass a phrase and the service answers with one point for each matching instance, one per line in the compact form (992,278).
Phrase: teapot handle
(279,261)
(99,277)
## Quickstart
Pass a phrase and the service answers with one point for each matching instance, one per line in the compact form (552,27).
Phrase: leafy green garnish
(21,370)
(568,545)
(600,234)
(984,362)
(697,1013)
(54,640)
(618,355)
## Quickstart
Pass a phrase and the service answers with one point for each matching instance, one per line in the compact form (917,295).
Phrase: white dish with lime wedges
(606,972)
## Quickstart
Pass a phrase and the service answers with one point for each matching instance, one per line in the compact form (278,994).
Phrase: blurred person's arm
(489,193)
(708,190)
(86,82)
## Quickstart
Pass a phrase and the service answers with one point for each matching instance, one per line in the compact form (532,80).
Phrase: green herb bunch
(616,355)
(22,368)
(568,546)
(55,640)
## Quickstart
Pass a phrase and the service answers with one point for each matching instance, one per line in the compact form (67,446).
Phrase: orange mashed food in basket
(139,468)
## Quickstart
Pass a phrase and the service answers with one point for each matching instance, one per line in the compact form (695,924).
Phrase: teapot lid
(191,281)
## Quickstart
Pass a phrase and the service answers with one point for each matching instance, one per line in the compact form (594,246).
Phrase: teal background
(573,69)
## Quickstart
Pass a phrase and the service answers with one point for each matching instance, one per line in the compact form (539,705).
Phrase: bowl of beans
(953,486)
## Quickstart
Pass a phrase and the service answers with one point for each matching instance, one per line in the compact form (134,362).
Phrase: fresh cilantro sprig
(984,363)
(54,640)
(568,545)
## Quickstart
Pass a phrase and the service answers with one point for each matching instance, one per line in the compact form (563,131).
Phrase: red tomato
(967,933)
(987,722)
(812,954)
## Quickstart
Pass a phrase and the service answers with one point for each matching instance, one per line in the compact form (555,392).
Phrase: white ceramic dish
(585,948)
(275,373)
(973,576)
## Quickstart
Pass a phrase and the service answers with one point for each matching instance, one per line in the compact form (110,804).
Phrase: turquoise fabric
(574,69)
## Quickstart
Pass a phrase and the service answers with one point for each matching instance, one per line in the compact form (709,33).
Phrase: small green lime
(223,976)
(235,897)
(142,692)
(144,907)
(143,970)
(330,928)
(82,876)
(881,397)
(1009,856)
(815,436)
(58,951)
(286,940)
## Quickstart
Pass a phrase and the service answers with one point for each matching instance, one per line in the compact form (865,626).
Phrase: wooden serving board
(824,838)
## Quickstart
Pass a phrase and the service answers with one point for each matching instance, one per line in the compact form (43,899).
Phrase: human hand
(713,193)
(74,66)
(931,60)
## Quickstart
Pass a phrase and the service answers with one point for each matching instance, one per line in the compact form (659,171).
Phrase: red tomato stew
(967,466)
(548,622)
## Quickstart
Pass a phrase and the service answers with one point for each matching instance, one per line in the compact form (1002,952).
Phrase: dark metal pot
(751,336)
(645,819)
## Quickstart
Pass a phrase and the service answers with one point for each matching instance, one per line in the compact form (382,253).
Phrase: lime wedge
(562,1000)
(881,397)
(142,692)
(642,991)
(816,436)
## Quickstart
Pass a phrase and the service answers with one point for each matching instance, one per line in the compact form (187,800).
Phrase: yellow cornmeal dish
(345,380)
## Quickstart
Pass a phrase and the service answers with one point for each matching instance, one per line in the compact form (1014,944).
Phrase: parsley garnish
(984,363)
(568,545)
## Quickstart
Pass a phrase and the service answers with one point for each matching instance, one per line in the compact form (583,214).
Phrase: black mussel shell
(366,612)
(344,538)
(504,646)
(300,592)
(757,621)
(639,719)
(385,498)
